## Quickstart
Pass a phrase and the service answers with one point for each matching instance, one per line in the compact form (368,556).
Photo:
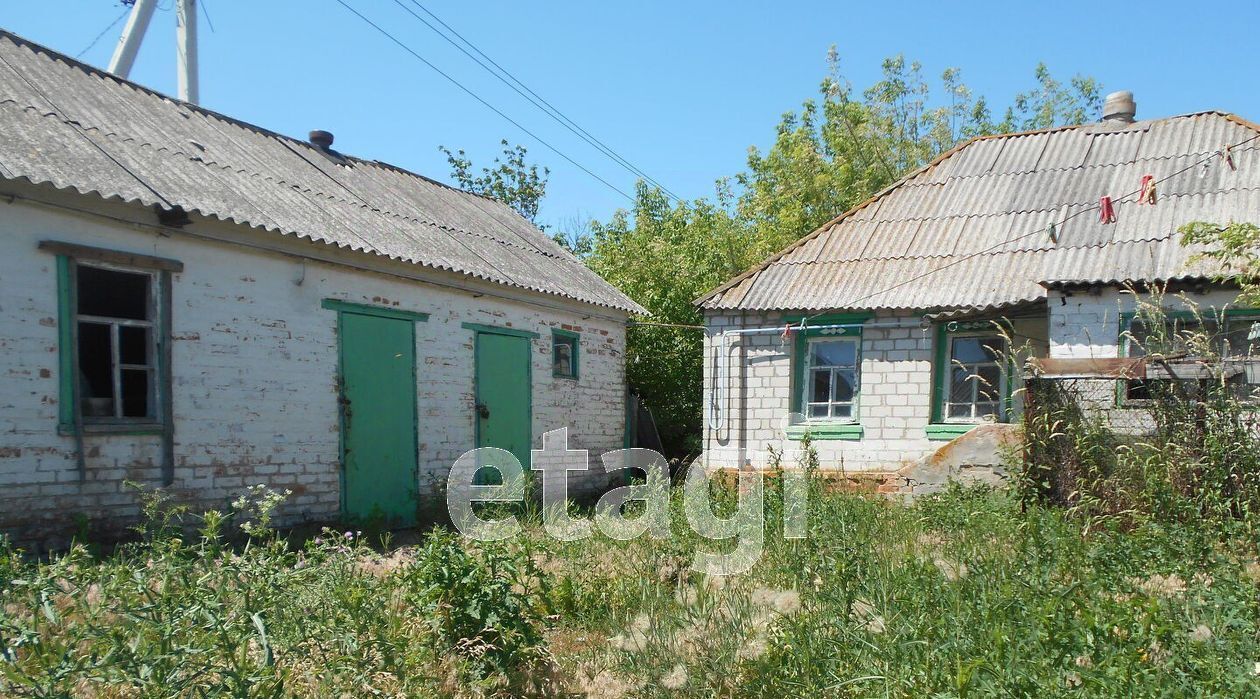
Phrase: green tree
(1235,248)
(840,149)
(665,255)
(512,180)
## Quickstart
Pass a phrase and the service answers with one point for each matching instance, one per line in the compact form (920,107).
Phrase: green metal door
(378,417)
(503,394)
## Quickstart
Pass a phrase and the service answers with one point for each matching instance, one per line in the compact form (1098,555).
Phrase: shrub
(485,608)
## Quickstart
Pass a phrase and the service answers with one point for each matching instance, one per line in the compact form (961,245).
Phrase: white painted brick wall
(1085,324)
(255,365)
(895,400)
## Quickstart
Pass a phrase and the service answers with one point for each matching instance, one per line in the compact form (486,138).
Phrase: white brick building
(904,323)
(194,303)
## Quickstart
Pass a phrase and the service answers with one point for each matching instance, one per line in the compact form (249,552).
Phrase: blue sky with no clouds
(681,89)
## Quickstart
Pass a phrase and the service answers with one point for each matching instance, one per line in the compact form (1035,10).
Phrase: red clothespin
(1147,191)
(1106,212)
(1228,156)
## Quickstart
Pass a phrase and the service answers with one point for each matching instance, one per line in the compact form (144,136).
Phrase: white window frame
(947,388)
(808,382)
(152,326)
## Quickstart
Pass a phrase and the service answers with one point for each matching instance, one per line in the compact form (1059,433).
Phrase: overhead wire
(507,78)
(482,100)
(104,31)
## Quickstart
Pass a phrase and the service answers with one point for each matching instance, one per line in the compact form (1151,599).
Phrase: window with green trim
(564,354)
(831,378)
(976,389)
(1233,333)
(971,377)
(826,371)
(113,322)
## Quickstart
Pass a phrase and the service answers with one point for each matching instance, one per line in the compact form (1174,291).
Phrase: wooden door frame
(343,307)
(529,336)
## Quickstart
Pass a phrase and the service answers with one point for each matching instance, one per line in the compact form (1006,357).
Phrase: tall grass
(961,594)
(1194,459)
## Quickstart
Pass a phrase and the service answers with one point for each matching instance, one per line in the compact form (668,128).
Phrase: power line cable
(104,31)
(477,97)
(206,13)
(1095,207)
(507,78)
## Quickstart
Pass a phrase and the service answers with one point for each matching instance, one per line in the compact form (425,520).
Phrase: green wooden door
(378,417)
(503,394)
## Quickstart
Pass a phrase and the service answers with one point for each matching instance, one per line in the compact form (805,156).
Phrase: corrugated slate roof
(72,126)
(968,230)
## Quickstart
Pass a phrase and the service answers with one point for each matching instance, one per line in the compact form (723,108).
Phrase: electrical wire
(104,31)
(504,76)
(206,13)
(964,258)
(480,99)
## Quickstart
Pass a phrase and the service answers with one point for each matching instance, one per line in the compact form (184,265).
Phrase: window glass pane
(113,294)
(816,410)
(96,380)
(973,350)
(562,357)
(960,385)
(986,410)
(842,411)
(989,381)
(1168,339)
(820,387)
(1234,342)
(962,410)
(1137,389)
(839,353)
(133,345)
(845,380)
(135,393)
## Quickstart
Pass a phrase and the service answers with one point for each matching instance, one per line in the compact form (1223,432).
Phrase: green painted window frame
(559,336)
(849,429)
(68,257)
(1122,342)
(940,428)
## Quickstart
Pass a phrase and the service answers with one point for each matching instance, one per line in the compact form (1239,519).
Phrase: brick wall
(895,399)
(1086,324)
(255,365)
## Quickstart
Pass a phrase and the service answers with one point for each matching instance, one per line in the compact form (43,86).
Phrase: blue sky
(680,88)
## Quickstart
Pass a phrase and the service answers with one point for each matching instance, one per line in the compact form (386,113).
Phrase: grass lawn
(957,595)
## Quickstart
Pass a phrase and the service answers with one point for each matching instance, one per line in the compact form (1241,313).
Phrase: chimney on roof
(322,140)
(1120,107)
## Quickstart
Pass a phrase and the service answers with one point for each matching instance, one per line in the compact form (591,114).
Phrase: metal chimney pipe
(1120,107)
(322,140)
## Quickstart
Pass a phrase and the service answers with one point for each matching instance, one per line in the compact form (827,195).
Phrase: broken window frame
(71,420)
(117,367)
